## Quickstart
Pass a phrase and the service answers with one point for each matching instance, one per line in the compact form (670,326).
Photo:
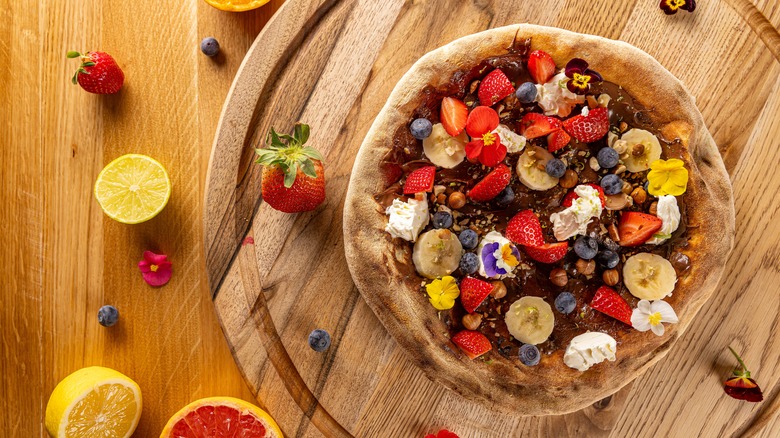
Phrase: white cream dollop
(574,220)
(588,349)
(492,237)
(669,213)
(407,219)
(555,99)
(513,141)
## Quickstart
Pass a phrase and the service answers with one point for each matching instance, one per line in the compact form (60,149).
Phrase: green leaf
(88,64)
(301,132)
(82,71)
(289,138)
(312,153)
(274,138)
(308,168)
(266,156)
(72,54)
(290,174)
(74,79)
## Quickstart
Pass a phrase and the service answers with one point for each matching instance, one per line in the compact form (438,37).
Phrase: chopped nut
(611,277)
(472,321)
(620,146)
(592,102)
(594,164)
(627,187)
(500,108)
(569,179)
(558,277)
(499,290)
(638,149)
(474,86)
(586,267)
(639,195)
(439,189)
(653,209)
(616,202)
(623,126)
(612,229)
(621,169)
(540,165)
(457,200)
(442,198)
(604,99)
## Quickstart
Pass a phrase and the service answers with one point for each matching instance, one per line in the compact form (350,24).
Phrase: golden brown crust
(377,263)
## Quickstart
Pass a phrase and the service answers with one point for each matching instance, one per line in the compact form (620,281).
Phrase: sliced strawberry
(572,195)
(494,87)
(557,140)
(535,125)
(453,115)
(473,292)
(608,302)
(541,66)
(590,128)
(525,229)
(420,180)
(491,185)
(482,120)
(547,253)
(637,228)
(473,343)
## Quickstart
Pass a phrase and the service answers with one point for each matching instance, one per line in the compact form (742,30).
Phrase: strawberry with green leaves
(98,72)
(293,175)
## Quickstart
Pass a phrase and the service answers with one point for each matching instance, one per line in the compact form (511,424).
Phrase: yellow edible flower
(443,292)
(667,177)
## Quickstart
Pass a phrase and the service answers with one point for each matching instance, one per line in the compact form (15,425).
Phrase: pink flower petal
(158,278)
(153,258)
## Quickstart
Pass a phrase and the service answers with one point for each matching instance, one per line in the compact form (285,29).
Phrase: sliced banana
(531,169)
(638,159)
(444,150)
(437,253)
(649,276)
(530,320)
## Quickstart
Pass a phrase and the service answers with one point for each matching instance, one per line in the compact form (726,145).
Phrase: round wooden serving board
(332,64)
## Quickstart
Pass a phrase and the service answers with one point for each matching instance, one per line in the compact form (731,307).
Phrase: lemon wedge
(133,188)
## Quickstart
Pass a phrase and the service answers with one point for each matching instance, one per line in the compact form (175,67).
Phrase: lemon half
(133,188)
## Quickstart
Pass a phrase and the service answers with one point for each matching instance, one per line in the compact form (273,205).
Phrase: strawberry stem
(741,363)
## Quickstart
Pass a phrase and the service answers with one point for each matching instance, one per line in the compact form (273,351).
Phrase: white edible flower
(651,316)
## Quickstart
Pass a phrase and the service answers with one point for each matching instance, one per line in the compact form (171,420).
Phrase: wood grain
(364,381)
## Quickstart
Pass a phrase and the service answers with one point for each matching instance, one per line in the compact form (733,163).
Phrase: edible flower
(671,7)
(740,386)
(443,292)
(580,76)
(444,433)
(667,177)
(485,145)
(499,259)
(650,316)
(155,268)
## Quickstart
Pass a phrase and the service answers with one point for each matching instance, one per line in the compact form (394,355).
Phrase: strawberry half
(473,343)
(572,195)
(473,292)
(420,180)
(608,302)
(541,66)
(454,114)
(636,228)
(590,128)
(535,125)
(525,229)
(98,72)
(547,253)
(557,140)
(494,87)
(491,185)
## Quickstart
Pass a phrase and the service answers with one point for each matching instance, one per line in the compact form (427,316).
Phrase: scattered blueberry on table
(319,340)
(209,46)
(108,316)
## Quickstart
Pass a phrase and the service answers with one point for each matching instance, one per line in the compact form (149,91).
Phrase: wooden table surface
(66,259)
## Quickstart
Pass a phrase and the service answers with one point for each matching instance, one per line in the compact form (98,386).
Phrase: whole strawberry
(293,175)
(98,73)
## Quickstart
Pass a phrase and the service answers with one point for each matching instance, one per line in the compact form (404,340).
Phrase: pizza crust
(379,266)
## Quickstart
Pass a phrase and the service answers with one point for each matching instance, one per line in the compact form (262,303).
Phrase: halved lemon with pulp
(133,188)
(217,417)
(94,402)
(237,5)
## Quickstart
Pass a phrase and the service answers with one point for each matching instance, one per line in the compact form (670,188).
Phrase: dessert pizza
(536,215)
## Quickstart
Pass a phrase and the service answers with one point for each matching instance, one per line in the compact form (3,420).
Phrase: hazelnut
(499,290)
(457,200)
(638,149)
(623,126)
(594,164)
(472,321)
(639,195)
(569,179)
(653,209)
(586,267)
(592,102)
(442,198)
(611,277)
(558,277)
(614,234)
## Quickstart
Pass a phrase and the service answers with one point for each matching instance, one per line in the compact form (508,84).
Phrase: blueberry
(506,196)
(442,219)
(607,158)
(586,247)
(526,92)
(529,355)
(468,239)
(555,168)
(108,316)
(608,258)
(209,46)
(612,184)
(319,340)
(469,263)
(421,128)
(565,302)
